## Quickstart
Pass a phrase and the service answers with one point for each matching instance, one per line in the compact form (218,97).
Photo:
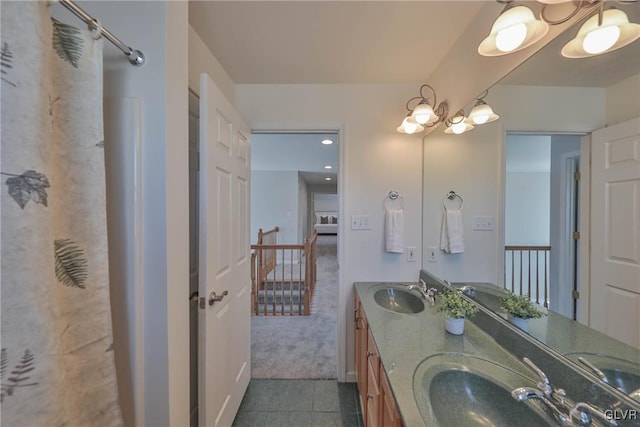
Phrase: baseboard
(350,377)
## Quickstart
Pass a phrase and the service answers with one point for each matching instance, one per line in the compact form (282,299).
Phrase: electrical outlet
(411,253)
(431,255)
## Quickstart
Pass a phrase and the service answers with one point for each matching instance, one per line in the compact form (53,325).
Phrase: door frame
(584,203)
(344,292)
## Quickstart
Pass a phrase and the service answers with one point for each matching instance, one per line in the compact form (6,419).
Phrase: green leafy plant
(454,306)
(520,306)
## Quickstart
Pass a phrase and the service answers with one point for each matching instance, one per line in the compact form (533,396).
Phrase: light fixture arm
(423,87)
(580,4)
(450,122)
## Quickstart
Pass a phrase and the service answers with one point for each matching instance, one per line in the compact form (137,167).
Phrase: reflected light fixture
(515,29)
(458,124)
(604,32)
(482,112)
(410,125)
(423,114)
(328,167)
(327,179)
(327,141)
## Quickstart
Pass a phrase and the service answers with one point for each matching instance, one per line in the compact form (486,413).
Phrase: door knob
(215,298)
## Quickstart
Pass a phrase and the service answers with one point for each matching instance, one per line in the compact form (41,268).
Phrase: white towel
(451,236)
(393,230)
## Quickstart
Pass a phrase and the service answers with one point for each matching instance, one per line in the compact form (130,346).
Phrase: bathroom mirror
(534,100)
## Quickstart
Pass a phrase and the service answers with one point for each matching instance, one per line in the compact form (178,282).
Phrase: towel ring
(393,195)
(450,196)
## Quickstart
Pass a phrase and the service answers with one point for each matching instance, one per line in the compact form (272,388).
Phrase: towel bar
(393,195)
(450,196)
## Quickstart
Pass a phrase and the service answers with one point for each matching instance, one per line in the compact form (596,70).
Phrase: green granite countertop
(404,340)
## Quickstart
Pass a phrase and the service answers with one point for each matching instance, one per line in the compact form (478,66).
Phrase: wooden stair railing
(283,277)
(525,267)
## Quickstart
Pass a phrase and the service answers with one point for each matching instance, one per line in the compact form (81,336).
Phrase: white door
(615,232)
(224,338)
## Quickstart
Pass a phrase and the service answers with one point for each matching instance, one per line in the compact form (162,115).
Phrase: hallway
(301,347)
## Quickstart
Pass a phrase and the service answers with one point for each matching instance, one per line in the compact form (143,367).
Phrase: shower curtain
(56,363)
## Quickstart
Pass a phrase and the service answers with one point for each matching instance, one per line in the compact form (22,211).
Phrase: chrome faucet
(427,294)
(594,369)
(522,394)
(583,412)
(543,385)
(468,290)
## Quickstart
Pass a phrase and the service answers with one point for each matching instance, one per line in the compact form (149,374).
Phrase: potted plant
(455,308)
(520,309)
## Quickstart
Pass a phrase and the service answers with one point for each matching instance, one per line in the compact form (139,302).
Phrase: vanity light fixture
(423,114)
(482,112)
(458,124)
(515,29)
(409,125)
(604,32)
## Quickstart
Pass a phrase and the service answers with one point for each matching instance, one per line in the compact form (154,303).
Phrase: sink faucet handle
(544,384)
(583,412)
(431,295)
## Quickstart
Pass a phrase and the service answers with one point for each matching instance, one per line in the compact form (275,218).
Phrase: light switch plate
(360,222)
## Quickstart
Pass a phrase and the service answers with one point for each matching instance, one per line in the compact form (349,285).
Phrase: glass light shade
(458,126)
(593,39)
(511,37)
(482,113)
(515,29)
(423,114)
(409,126)
(600,40)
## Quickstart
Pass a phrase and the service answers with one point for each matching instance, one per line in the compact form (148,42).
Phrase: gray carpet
(301,347)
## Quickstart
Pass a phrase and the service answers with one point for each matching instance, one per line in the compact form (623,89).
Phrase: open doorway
(541,219)
(293,176)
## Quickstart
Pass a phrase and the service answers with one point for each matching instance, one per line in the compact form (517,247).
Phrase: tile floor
(299,403)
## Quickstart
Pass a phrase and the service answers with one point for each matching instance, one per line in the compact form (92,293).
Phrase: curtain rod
(136,57)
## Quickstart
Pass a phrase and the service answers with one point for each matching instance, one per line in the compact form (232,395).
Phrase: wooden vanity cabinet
(376,400)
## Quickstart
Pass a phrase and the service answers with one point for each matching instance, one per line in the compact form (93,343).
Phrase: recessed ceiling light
(327,179)
(328,167)
(327,141)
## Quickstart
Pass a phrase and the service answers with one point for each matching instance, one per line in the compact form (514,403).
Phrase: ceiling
(301,152)
(307,42)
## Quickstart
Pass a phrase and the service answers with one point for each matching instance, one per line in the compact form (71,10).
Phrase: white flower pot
(454,326)
(520,322)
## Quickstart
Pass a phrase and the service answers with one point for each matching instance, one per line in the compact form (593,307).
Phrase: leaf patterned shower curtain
(56,363)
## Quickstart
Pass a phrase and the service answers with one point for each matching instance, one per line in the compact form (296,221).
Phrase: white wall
(623,100)
(151,345)
(527,209)
(374,160)
(325,202)
(274,203)
(303,209)
(472,164)
(201,60)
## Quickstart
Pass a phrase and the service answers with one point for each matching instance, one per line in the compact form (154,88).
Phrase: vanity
(410,372)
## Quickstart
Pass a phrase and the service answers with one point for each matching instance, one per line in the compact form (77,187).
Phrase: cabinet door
(361,355)
(390,416)
(373,387)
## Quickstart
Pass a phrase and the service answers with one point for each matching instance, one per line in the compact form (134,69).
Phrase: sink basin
(620,373)
(455,389)
(398,300)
